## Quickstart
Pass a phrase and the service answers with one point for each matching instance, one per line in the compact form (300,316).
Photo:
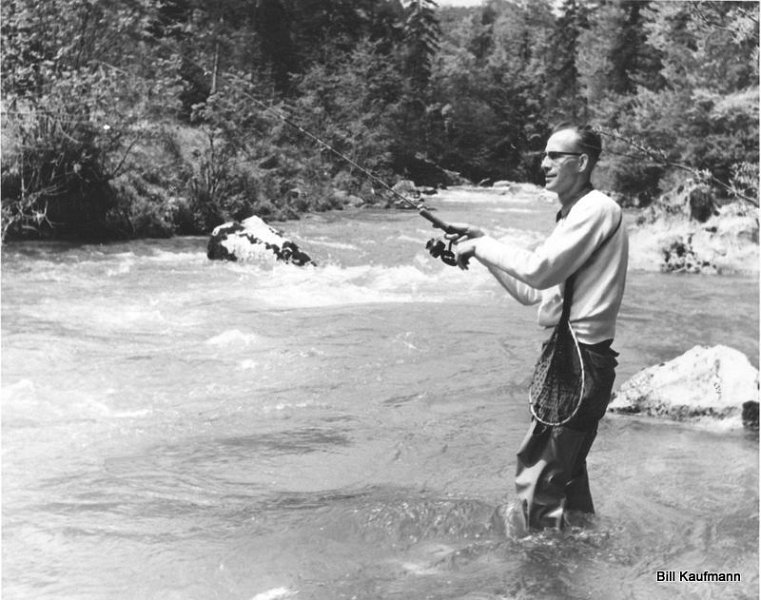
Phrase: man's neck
(568,200)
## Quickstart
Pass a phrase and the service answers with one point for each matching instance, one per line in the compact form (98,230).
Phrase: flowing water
(177,428)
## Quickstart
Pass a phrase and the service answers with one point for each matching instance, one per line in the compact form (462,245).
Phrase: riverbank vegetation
(135,118)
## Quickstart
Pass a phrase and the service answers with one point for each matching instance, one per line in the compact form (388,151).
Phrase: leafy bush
(54,178)
(73,114)
(141,209)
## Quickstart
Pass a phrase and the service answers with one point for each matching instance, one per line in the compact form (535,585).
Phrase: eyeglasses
(553,156)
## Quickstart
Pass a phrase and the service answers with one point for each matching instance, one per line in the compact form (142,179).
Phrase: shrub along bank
(171,179)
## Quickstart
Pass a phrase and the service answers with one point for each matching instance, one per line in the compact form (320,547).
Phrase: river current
(177,428)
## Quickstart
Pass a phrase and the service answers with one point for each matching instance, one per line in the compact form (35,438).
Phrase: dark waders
(551,477)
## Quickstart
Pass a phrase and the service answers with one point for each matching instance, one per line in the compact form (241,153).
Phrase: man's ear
(583,163)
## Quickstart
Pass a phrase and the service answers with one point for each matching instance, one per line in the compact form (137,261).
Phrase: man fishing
(589,243)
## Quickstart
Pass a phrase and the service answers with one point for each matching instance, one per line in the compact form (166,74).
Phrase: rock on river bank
(685,231)
(715,384)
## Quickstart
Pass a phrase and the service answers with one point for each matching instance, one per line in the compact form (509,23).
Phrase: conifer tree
(564,99)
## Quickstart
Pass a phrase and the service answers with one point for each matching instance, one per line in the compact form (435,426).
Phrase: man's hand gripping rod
(436,247)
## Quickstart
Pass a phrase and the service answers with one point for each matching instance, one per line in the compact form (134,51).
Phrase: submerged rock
(253,240)
(715,383)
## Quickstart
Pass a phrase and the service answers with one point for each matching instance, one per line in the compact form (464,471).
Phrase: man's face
(562,171)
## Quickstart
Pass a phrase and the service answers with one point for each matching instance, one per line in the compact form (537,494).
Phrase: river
(178,428)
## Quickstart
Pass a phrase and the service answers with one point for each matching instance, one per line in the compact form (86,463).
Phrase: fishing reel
(438,248)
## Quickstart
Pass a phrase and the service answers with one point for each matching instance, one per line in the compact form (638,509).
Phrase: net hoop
(581,388)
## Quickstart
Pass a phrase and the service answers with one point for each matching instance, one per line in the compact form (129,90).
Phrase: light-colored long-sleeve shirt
(539,276)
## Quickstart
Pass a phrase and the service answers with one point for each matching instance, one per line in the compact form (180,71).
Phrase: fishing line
(423,211)
(659,156)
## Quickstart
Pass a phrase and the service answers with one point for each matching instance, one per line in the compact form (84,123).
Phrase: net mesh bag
(557,385)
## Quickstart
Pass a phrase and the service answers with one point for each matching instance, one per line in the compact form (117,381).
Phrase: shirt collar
(568,207)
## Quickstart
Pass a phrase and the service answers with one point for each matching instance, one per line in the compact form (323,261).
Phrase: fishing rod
(434,246)
(423,211)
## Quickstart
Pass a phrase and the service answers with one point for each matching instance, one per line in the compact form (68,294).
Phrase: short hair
(590,141)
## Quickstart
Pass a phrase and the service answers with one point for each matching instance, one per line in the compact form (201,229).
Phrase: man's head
(569,157)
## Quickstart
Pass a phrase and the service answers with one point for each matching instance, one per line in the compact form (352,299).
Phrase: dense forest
(127,118)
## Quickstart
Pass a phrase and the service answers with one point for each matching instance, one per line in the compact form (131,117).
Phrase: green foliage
(140,209)
(703,119)
(66,145)
(744,180)
(614,58)
(72,113)
(492,93)
(564,99)
(421,36)
(352,106)
(127,118)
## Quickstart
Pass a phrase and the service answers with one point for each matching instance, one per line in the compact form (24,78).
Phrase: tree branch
(660,157)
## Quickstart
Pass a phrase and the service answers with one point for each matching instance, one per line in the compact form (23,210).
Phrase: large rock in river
(253,240)
(705,383)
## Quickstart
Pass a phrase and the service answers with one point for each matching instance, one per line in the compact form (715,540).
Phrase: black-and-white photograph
(379,299)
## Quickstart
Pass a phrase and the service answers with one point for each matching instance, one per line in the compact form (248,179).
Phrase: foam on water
(278,593)
(526,239)
(333,285)
(248,364)
(182,258)
(513,209)
(282,406)
(114,315)
(20,391)
(234,337)
(522,237)
(314,241)
(404,238)
(28,403)
(519,193)
(122,268)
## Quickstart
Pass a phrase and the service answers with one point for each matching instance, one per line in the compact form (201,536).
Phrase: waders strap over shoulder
(568,291)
